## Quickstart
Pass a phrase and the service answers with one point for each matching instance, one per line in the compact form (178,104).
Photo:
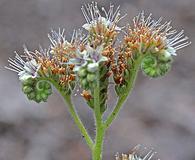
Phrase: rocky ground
(160,113)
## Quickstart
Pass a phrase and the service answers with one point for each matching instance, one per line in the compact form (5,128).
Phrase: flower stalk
(71,108)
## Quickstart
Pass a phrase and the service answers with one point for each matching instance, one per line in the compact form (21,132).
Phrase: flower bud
(82,72)
(84,83)
(91,77)
(27,89)
(37,91)
(92,67)
(155,66)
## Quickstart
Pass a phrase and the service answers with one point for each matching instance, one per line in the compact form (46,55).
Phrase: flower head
(50,62)
(89,58)
(134,155)
(80,59)
(62,48)
(94,17)
(152,36)
(26,66)
(102,28)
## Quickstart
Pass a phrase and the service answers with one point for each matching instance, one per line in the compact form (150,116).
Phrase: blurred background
(159,114)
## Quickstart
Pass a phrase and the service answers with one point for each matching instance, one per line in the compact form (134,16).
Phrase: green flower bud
(31,95)
(29,81)
(37,91)
(27,89)
(82,72)
(48,91)
(44,96)
(84,83)
(156,65)
(38,98)
(91,77)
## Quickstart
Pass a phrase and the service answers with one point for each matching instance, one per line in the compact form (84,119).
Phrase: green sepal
(120,90)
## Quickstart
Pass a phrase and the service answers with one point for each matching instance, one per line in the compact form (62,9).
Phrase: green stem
(97,150)
(73,112)
(78,122)
(122,99)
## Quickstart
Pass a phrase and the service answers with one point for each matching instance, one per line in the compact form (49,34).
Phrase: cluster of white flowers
(25,67)
(93,16)
(149,155)
(159,32)
(89,58)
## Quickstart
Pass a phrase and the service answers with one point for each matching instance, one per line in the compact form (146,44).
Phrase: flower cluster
(135,155)
(153,40)
(94,60)
(94,56)
(49,63)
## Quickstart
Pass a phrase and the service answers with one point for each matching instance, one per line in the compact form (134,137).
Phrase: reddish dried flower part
(86,95)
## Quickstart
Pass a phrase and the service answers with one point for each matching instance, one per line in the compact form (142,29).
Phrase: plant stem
(97,150)
(73,112)
(79,122)
(122,99)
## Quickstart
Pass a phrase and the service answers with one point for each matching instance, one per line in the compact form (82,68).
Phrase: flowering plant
(93,60)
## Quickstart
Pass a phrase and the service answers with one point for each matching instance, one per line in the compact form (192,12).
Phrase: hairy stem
(97,150)
(122,99)
(79,122)
(73,112)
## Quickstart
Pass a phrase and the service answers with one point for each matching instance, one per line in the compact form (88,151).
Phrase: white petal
(84,53)
(34,63)
(87,26)
(24,76)
(172,51)
(104,21)
(117,28)
(76,68)
(167,54)
(103,59)
(27,68)
(92,67)
(99,49)
(89,49)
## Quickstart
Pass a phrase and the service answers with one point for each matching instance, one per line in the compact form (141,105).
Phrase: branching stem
(73,112)
(122,99)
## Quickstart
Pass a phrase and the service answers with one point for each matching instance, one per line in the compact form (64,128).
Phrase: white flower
(93,17)
(25,69)
(30,70)
(156,36)
(59,43)
(89,57)
(169,52)
(107,23)
(80,60)
(95,55)
(148,155)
